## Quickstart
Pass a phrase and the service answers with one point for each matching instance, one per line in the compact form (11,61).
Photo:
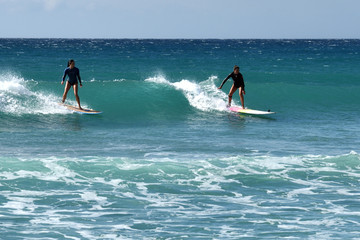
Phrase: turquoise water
(166,160)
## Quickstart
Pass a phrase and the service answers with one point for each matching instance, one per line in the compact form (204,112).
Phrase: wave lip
(203,96)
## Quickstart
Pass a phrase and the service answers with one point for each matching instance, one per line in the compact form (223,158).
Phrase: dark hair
(70,62)
(236,67)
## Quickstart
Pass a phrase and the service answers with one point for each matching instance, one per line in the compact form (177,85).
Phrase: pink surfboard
(249,111)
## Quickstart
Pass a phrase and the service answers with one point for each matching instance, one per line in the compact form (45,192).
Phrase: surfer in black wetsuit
(74,75)
(238,84)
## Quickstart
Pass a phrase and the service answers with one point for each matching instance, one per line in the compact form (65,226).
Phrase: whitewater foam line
(108,81)
(204,95)
(17,98)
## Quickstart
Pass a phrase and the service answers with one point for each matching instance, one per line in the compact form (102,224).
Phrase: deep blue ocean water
(166,160)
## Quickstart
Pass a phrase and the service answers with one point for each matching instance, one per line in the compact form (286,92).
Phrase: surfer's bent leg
(76,94)
(66,90)
(232,90)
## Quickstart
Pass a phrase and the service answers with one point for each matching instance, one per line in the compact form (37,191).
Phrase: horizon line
(130,38)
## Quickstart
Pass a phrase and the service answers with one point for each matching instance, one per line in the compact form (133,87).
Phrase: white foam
(302,191)
(158,79)
(353,153)
(20,205)
(133,166)
(95,195)
(13,84)
(17,97)
(119,80)
(92,196)
(59,173)
(204,96)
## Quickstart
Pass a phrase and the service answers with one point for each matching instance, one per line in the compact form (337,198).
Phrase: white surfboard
(80,111)
(249,111)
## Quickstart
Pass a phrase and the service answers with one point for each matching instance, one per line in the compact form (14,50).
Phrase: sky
(220,19)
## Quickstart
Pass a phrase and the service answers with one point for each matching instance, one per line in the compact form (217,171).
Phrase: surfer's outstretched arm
(222,84)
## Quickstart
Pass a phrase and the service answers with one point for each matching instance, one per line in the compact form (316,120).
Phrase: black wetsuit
(238,80)
(74,75)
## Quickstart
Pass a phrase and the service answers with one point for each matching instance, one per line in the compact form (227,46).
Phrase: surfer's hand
(80,85)
(62,82)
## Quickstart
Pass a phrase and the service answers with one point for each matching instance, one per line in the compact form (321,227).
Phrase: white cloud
(50,5)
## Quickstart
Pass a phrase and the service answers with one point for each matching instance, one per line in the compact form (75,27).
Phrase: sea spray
(17,98)
(203,96)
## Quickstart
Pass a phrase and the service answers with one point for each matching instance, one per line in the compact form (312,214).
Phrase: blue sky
(179,18)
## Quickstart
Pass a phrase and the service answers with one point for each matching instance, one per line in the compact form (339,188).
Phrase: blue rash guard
(74,75)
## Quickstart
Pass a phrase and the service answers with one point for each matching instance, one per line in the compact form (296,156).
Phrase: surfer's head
(71,63)
(236,69)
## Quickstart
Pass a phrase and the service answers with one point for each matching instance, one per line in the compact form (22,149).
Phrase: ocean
(166,159)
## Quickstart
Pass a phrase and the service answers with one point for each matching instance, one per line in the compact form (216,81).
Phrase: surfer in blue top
(74,75)
(238,84)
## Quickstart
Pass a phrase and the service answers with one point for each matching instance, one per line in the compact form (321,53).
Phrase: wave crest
(203,96)
(16,97)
